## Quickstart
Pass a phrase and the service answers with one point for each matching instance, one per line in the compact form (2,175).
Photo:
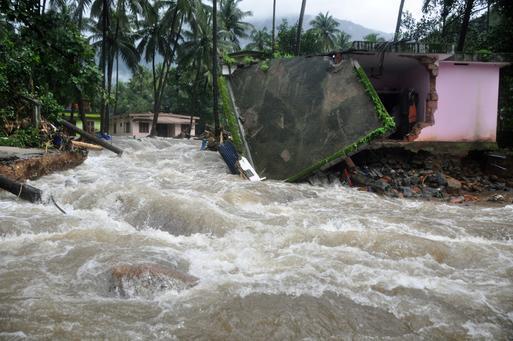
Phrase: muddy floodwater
(275,261)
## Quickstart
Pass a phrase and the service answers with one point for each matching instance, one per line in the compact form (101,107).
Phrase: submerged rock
(147,279)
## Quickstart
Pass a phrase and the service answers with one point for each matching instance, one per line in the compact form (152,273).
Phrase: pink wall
(467,103)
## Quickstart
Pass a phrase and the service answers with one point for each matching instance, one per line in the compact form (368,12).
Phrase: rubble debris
(401,173)
(91,137)
(237,164)
(84,145)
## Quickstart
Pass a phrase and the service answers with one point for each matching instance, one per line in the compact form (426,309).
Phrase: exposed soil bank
(452,176)
(21,165)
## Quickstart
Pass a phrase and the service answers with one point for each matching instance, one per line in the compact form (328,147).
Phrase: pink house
(139,124)
(434,96)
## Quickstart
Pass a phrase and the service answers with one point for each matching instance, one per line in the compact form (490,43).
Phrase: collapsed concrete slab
(299,115)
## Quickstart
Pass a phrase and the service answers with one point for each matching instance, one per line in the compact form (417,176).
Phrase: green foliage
(232,22)
(321,38)
(282,55)
(50,108)
(230,119)
(387,121)
(248,60)
(45,59)
(227,60)
(261,40)
(264,65)
(136,95)
(325,27)
(373,38)
(21,138)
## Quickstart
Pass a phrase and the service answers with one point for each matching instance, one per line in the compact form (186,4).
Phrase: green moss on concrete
(229,118)
(383,116)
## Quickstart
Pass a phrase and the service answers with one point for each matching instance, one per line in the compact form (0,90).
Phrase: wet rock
(437,179)
(500,186)
(457,200)
(379,186)
(496,198)
(147,279)
(433,192)
(453,185)
(469,197)
(407,192)
(359,179)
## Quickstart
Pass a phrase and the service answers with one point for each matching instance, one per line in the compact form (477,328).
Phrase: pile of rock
(424,176)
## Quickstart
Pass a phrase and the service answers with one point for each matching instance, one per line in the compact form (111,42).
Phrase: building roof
(164,117)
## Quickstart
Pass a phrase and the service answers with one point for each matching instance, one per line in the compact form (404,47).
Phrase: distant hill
(356,31)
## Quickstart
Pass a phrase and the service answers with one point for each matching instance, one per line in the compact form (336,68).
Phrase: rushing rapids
(274,260)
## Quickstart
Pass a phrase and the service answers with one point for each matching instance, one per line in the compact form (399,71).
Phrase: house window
(89,126)
(144,127)
(127,127)
(115,127)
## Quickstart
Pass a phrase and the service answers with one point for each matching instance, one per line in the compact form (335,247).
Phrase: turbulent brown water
(275,260)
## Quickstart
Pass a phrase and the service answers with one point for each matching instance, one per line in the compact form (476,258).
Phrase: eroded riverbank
(274,260)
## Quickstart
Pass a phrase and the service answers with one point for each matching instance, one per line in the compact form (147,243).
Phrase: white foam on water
(165,202)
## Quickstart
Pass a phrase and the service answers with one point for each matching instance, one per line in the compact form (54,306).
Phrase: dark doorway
(162,130)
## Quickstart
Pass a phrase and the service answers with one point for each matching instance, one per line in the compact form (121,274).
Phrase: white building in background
(139,124)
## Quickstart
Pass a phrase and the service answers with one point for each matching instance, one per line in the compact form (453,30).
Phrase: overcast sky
(376,14)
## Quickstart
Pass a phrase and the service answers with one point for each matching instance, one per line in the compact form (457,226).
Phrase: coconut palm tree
(215,88)
(399,18)
(161,33)
(373,38)
(110,28)
(342,40)
(260,40)
(326,27)
(231,17)
(300,27)
(273,42)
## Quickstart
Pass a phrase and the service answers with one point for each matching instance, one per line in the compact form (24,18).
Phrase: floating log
(86,145)
(21,190)
(91,137)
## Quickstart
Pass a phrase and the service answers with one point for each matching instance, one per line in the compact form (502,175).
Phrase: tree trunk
(21,190)
(103,61)
(110,69)
(153,131)
(160,82)
(215,88)
(81,113)
(194,96)
(274,27)
(117,84)
(469,4)
(399,19)
(487,16)
(300,27)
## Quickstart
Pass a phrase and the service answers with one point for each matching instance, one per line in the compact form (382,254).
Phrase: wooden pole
(92,138)
(21,190)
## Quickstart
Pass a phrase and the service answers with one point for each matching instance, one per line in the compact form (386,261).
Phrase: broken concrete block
(304,113)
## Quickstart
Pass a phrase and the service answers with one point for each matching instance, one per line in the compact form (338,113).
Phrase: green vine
(264,65)
(229,117)
(383,116)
